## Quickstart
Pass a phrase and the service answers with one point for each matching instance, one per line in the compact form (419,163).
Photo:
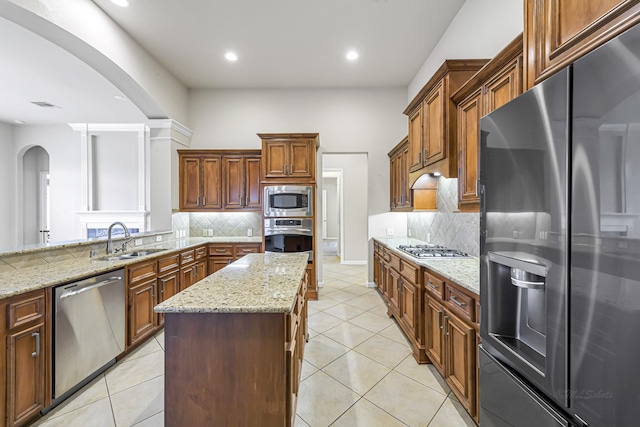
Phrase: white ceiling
(280,44)
(287,43)
(34,69)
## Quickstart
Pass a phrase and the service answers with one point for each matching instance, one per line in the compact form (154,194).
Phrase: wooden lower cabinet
(409,306)
(142,319)
(26,360)
(460,354)
(223,254)
(434,335)
(168,286)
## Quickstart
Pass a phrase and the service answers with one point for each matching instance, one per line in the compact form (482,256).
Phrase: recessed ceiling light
(20,122)
(121,98)
(352,55)
(230,56)
(121,3)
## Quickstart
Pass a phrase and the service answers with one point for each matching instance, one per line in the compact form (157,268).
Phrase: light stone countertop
(17,282)
(462,271)
(256,283)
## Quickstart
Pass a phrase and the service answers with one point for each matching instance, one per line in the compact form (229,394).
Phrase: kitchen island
(234,344)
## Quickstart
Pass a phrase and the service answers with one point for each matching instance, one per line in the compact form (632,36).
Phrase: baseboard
(371,285)
(353,262)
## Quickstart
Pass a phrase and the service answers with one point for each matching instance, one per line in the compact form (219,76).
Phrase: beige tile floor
(358,372)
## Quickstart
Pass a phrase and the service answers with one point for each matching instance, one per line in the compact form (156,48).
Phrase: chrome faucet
(127,236)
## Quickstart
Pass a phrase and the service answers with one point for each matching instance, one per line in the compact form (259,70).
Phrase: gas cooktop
(432,251)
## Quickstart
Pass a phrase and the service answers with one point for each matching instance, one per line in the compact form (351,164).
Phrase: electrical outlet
(409,232)
(428,237)
(204,232)
(158,238)
(210,232)
(249,232)
(183,233)
(138,242)
(177,234)
(390,232)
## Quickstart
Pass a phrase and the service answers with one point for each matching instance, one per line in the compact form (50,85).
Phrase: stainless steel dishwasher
(89,329)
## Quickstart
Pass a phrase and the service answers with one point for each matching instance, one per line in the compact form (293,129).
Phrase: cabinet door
(469,113)
(190,182)
(505,86)
(434,132)
(434,334)
(415,139)
(25,374)
(302,158)
(275,158)
(233,179)
(168,286)
(384,284)
(187,276)
(218,263)
(376,270)
(200,270)
(409,307)
(393,283)
(211,184)
(404,173)
(142,319)
(252,193)
(392,182)
(460,353)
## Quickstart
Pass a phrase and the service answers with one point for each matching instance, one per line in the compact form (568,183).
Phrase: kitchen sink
(130,255)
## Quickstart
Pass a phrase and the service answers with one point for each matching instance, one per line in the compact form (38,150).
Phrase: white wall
(348,120)
(333,213)
(8,233)
(63,146)
(115,171)
(481,29)
(354,246)
(83,29)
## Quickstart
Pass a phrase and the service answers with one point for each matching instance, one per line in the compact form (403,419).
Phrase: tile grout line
(113,413)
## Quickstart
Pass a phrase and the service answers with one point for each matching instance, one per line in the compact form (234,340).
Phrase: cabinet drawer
(242,250)
(410,271)
(460,303)
(168,263)
(394,261)
(187,256)
(26,309)
(434,286)
(215,250)
(139,272)
(201,252)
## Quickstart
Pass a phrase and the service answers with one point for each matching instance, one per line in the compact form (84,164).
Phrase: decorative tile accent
(180,221)
(447,226)
(226,224)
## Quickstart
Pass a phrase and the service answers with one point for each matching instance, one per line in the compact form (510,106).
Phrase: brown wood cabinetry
(23,389)
(289,157)
(498,82)
(142,288)
(450,329)
(241,181)
(200,180)
(433,122)
(557,32)
(213,180)
(223,254)
(400,194)
(246,366)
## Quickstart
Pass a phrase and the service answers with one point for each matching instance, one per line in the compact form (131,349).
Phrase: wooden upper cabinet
(289,157)
(557,32)
(214,180)
(241,177)
(433,123)
(211,194)
(400,194)
(433,128)
(497,83)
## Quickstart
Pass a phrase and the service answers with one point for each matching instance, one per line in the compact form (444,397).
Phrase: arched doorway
(35,196)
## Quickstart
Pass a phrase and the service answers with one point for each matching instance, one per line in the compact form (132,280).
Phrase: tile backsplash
(227,224)
(447,227)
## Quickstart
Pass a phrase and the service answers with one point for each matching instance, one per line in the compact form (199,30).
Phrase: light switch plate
(183,233)
(249,232)
(390,232)
(158,238)
(138,242)
(204,232)
(210,232)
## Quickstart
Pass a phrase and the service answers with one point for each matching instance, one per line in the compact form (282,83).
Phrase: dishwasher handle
(94,286)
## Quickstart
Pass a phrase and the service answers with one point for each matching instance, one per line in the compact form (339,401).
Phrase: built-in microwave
(288,201)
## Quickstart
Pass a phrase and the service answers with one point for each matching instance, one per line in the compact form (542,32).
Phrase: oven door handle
(300,231)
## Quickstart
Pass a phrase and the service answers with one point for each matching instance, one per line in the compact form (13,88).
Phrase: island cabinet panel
(249,381)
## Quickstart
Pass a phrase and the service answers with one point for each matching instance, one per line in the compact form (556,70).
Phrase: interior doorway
(36,217)
(331,183)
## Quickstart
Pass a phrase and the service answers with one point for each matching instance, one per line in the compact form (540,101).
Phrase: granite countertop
(16,282)
(463,271)
(256,283)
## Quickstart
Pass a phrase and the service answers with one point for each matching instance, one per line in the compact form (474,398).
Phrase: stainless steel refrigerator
(560,247)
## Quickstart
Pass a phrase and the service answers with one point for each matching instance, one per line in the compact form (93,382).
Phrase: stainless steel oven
(288,201)
(289,235)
